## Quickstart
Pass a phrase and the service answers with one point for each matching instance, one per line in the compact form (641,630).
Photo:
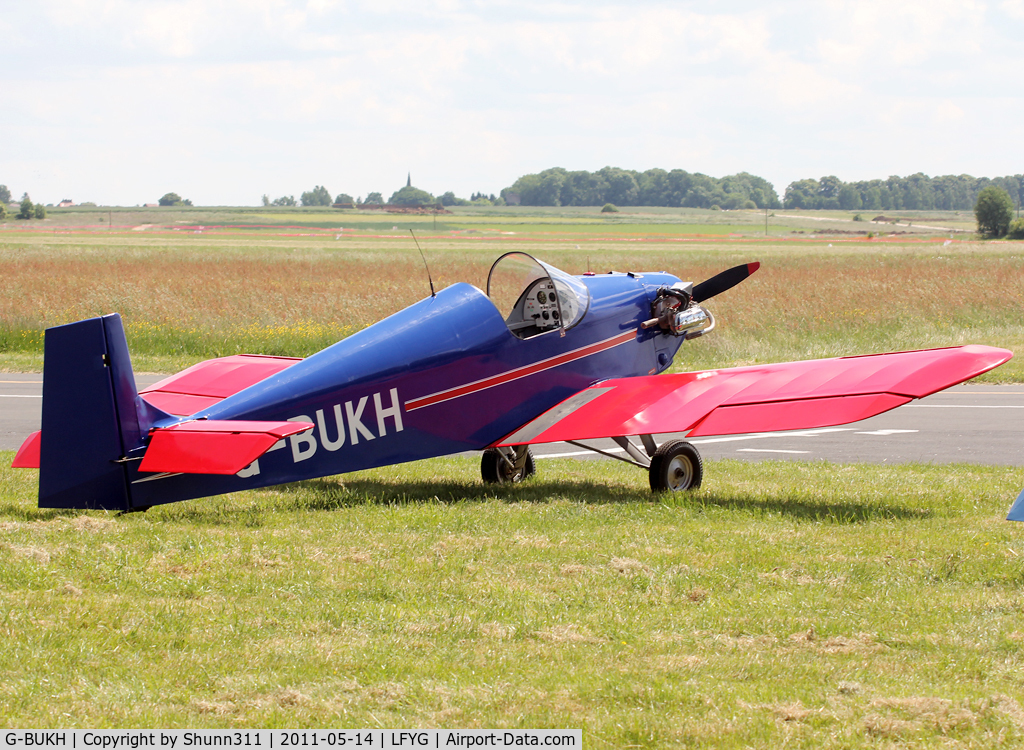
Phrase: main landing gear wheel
(676,466)
(495,469)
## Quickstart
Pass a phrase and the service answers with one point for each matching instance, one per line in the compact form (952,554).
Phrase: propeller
(724,281)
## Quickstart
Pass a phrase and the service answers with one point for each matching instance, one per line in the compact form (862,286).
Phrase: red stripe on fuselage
(519,372)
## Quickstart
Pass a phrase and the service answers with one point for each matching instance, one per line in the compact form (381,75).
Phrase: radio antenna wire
(432,292)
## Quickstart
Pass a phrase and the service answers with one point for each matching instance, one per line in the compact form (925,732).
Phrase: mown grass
(783,604)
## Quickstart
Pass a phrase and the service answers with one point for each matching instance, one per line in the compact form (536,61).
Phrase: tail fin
(91,416)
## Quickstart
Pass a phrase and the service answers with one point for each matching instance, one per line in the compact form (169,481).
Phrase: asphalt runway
(21,405)
(980,424)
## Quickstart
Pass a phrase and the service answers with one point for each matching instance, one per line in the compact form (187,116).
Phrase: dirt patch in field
(570,633)
(37,554)
(627,566)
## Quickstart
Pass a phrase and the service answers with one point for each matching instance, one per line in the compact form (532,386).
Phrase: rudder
(90,420)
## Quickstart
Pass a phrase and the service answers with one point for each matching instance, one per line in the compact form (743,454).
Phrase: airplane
(542,356)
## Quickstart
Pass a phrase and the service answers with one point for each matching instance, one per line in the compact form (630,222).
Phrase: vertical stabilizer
(90,420)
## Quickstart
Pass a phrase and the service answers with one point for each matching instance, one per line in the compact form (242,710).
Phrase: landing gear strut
(673,467)
(507,465)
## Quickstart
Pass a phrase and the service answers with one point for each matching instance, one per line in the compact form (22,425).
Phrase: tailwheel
(495,469)
(676,466)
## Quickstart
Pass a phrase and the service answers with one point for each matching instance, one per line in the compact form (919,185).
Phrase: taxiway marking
(756,435)
(730,439)
(765,450)
(886,433)
(961,406)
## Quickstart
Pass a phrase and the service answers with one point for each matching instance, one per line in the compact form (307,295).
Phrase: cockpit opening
(535,297)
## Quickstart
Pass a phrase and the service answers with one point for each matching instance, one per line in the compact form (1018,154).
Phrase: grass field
(784,604)
(188,295)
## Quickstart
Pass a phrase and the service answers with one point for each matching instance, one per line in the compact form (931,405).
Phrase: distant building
(66,203)
(151,205)
(512,199)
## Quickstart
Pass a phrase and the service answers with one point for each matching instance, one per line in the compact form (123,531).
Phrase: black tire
(676,467)
(494,469)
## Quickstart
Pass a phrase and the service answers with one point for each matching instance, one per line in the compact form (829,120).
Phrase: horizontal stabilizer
(214,446)
(206,383)
(27,456)
(761,398)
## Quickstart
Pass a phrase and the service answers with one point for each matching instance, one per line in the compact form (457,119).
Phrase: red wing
(206,383)
(761,398)
(214,446)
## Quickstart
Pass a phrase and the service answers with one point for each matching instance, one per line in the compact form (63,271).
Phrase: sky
(223,101)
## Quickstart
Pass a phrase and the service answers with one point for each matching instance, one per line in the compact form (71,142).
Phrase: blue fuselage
(442,376)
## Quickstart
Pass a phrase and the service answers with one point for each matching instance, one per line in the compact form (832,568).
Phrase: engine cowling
(675,312)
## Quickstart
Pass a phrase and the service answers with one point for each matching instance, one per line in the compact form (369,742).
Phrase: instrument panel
(541,305)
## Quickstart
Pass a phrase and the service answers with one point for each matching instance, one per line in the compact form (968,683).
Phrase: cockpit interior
(534,297)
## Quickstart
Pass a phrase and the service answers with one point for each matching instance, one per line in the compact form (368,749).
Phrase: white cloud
(232,99)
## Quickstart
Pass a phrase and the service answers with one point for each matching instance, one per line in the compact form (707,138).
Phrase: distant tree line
(321,196)
(679,188)
(994,212)
(916,192)
(318,196)
(284,200)
(405,196)
(475,199)
(654,187)
(26,209)
(173,199)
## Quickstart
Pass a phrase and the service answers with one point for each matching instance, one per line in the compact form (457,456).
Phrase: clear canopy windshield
(534,297)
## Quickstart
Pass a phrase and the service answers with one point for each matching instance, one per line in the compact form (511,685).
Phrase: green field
(784,604)
(634,221)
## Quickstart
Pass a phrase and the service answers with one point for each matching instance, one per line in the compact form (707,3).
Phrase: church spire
(408,181)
